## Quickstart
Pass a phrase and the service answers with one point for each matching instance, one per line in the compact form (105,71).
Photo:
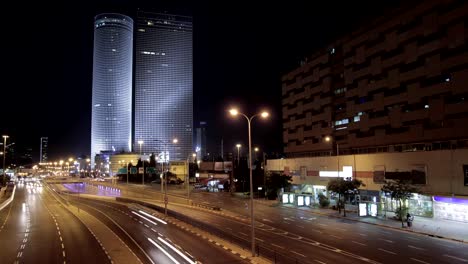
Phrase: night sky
(240,53)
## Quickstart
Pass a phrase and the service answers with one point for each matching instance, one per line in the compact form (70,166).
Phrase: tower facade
(164,84)
(43,150)
(111,114)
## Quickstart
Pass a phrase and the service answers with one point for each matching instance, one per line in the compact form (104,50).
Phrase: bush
(323,201)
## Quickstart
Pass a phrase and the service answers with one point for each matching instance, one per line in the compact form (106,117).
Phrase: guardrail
(207,206)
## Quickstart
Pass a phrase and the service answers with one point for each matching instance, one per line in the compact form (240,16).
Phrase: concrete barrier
(8,201)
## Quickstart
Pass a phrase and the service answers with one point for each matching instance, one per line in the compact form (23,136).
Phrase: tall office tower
(43,150)
(164,84)
(200,140)
(111,117)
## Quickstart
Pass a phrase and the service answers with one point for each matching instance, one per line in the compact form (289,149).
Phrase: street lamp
(235,112)
(238,146)
(4,154)
(140,142)
(328,139)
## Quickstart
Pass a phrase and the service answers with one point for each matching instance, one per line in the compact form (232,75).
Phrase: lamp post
(234,112)
(165,142)
(4,154)
(194,155)
(238,146)
(328,139)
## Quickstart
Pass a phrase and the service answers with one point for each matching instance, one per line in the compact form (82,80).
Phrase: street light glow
(175,140)
(238,145)
(233,112)
(327,138)
(264,114)
(140,142)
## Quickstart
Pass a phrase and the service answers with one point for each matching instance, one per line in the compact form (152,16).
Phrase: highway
(35,228)
(153,240)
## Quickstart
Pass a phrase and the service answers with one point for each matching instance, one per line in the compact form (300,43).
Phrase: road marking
(336,237)
(359,243)
(413,238)
(322,224)
(342,229)
(277,246)
(63,246)
(318,231)
(420,261)
(300,226)
(228,228)
(386,240)
(243,234)
(63,252)
(385,232)
(362,234)
(260,239)
(418,248)
(298,253)
(321,262)
(460,259)
(387,251)
(267,220)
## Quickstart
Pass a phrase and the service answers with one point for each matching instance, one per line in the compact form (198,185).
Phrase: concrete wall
(444,174)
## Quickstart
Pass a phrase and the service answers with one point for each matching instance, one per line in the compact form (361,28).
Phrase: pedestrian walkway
(440,228)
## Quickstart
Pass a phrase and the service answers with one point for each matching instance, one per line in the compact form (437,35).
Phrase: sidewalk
(440,228)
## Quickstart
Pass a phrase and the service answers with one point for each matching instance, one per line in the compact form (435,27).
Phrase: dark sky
(241,51)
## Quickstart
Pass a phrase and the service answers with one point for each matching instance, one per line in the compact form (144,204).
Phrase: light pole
(4,154)
(165,142)
(238,146)
(194,155)
(234,112)
(328,139)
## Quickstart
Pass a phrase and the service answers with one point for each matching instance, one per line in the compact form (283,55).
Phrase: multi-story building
(388,101)
(396,85)
(164,84)
(43,149)
(200,140)
(111,115)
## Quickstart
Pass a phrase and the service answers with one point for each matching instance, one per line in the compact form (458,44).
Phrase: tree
(343,189)
(400,190)
(275,182)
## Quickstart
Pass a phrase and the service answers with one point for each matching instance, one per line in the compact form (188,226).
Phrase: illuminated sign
(285,198)
(346,173)
(307,200)
(362,209)
(291,198)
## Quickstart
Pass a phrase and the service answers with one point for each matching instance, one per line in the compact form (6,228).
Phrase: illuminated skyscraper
(164,83)
(111,117)
(43,151)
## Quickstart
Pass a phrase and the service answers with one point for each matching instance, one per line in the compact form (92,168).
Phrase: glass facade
(164,84)
(111,114)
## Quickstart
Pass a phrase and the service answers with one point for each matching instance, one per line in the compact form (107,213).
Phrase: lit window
(97,105)
(114,50)
(332,51)
(357,118)
(146,52)
(141,30)
(447,79)
(426,106)
(163,53)
(345,121)
(150,23)
(164,65)
(109,104)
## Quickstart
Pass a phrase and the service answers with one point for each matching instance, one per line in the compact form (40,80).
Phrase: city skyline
(231,66)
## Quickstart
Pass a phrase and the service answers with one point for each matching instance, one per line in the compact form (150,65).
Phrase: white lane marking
(342,229)
(385,232)
(267,220)
(321,262)
(318,231)
(420,261)
(390,252)
(336,237)
(300,226)
(418,248)
(164,251)
(260,239)
(460,259)
(277,246)
(298,253)
(362,234)
(63,246)
(322,224)
(63,252)
(243,234)
(228,228)
(386,240)
(413,238)
(355,242)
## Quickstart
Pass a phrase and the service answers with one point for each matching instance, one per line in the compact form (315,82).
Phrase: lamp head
(238,145)
(175,140)
(264,114)
(327,139)
(233,112)
(256,149)
(140,142)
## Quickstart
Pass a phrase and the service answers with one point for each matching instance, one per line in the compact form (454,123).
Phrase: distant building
(164,84)
(111,115)
(43,149)
(200,140)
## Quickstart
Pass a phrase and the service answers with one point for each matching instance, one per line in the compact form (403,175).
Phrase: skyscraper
(111,114)
(164,83)
(43,151)
(200,140)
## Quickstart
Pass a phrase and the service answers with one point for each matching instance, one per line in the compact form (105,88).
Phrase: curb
(381,225)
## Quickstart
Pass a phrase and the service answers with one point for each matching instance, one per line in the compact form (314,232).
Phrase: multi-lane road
(35,228)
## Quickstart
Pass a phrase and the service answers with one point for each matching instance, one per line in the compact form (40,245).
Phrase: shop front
(451,208)
(418,204)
